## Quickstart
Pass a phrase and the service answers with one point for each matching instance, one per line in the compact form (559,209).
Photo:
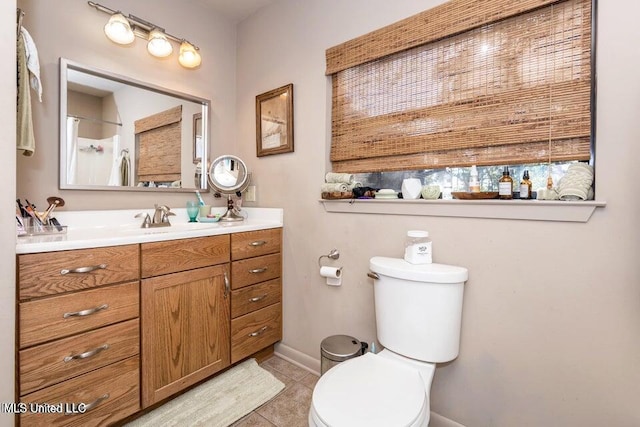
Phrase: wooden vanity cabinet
(123,328)
(78,335)
(256,296)
(185,314)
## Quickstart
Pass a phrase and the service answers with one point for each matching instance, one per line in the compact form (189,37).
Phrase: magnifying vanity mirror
(117,133)
(228,175)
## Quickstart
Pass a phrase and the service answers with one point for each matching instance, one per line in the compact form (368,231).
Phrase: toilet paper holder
(334,254)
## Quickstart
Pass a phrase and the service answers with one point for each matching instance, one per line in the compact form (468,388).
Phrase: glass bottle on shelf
(505,185)
(525,186)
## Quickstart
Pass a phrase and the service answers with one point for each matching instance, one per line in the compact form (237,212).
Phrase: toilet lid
(370,390)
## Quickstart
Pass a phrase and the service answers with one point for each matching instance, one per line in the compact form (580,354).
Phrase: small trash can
(338,348)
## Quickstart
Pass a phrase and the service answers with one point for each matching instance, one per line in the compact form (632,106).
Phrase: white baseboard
(298,358)
(438,420)
(312,365)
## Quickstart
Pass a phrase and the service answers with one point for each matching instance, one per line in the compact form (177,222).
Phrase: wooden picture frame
(197,138)
(274,121)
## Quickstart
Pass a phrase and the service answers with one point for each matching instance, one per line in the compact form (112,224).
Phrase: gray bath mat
(218,402)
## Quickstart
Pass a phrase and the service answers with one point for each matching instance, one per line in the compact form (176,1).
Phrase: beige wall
(551,322)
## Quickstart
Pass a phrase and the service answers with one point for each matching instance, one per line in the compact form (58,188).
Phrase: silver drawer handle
(227,285)
(86,312)
(90,406)
(86,354)
(84,269)
(256,299)
(258,270)
(258,243)
(258,332)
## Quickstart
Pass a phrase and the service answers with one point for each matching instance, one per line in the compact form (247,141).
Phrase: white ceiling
(237,10)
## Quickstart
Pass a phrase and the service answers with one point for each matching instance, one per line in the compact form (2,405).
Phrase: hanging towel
(124,170)
(25,139)
(114,175)
(33,63)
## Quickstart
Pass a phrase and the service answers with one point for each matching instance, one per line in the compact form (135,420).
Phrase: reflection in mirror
(229,175)
(197,138)
(117,133)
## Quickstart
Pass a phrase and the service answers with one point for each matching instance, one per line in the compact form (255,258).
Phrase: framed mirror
(274,121)
(117,133)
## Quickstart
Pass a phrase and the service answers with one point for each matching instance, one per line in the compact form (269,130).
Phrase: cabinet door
(185,330)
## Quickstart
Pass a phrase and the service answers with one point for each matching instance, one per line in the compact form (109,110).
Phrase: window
(469,82)
(459,176)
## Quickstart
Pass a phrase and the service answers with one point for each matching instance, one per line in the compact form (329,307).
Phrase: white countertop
(92,229)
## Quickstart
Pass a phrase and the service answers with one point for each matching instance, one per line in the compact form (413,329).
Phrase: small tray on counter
(463,195)
(209,218)
(42,230)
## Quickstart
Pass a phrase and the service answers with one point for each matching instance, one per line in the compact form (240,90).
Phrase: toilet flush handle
(374,276)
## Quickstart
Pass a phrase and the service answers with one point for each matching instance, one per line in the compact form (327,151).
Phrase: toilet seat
(370,391)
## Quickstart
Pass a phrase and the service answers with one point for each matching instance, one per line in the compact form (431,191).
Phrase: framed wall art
(274,121)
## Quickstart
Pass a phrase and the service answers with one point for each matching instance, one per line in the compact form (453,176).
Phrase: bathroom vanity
(115,319)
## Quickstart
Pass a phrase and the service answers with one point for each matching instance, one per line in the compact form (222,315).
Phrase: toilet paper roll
(333,275)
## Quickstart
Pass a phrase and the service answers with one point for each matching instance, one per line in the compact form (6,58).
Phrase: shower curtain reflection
(72,149)
(95,158)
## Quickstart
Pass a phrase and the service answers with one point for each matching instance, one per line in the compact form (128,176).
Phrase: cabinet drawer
(255,331)
(48,364)
(111,393)
(255,270)
(255,243)
(251,298)
(180,255)
(52,273)
(56,317)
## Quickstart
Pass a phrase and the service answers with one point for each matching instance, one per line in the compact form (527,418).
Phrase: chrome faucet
(160,217)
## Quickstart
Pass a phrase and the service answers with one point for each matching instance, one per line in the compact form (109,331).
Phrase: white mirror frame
(65,65)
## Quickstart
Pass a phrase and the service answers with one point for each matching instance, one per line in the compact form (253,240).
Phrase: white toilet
(418,316)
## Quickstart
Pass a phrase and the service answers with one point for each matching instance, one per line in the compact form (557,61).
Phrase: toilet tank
(418,308)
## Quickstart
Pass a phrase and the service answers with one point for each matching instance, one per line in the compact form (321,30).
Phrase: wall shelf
(533,210)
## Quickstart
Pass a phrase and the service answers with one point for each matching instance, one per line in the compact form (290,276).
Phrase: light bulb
(118,29)
(158,44)
(189,56)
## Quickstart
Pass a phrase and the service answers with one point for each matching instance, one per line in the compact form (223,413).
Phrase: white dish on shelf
(388,191)
(386,194)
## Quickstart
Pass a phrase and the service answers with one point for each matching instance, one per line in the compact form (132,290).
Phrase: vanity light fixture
(189,56)
(158,45)
(123,29)
(118,29)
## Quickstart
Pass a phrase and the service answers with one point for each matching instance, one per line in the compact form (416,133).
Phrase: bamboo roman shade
(485,82)
(158,146)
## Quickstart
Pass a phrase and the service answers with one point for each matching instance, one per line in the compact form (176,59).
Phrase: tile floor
(290,408)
